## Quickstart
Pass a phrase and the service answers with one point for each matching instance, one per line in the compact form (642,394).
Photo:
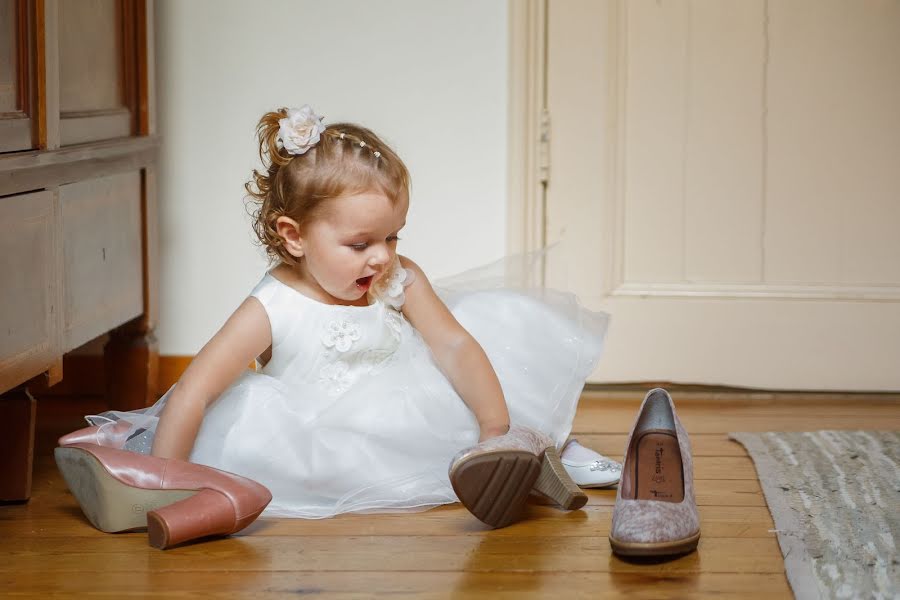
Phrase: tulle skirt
(385,444)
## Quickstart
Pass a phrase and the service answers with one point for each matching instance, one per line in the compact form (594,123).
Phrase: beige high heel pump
(655,512)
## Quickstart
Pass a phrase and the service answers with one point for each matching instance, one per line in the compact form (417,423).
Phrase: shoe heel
(207,513)
(555,484)
(109,504)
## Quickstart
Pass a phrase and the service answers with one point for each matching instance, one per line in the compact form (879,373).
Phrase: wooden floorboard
(49,550)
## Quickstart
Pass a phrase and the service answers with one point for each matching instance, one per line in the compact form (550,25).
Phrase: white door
(725,178)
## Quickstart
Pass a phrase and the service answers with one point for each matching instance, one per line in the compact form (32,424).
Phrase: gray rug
(835,500)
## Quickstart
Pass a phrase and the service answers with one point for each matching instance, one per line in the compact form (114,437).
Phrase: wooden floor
(49,549)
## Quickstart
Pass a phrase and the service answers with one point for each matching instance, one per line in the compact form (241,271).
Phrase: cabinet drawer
(28,287)
(102,267)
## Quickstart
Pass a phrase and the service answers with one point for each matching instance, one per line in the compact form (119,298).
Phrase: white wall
(429,77)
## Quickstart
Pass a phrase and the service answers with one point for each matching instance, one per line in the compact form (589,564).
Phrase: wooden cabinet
(78,239)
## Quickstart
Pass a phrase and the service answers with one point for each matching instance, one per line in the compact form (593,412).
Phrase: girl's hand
(491,431)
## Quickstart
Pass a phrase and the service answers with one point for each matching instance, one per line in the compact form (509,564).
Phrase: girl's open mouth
(363,283)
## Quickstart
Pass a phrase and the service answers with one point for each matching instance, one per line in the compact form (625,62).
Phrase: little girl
(368,382)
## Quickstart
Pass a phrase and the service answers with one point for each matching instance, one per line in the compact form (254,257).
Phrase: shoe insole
(659,474)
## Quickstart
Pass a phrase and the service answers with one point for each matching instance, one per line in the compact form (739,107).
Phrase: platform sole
(109,504)
(682,546)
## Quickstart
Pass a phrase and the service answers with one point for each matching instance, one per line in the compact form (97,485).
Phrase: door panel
(30,282)
(102,255)
(15,77)
(96,70)
(724,181)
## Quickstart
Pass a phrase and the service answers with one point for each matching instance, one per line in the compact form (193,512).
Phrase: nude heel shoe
(655,512)
(494,478)
(176,500)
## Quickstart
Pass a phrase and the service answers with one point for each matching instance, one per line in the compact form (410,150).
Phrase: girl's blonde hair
(348,159)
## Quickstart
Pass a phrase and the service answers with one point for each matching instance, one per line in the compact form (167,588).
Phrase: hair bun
(267,130)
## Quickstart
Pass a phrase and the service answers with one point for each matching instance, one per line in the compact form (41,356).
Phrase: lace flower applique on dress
(340,334)
(336,378)
(390,288)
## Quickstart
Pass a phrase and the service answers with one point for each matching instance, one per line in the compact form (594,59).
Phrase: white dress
(352,413)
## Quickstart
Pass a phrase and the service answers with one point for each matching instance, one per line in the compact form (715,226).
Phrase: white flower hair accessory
(300,130)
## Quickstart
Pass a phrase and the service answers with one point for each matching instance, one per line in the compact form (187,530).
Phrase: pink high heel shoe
(111,435)
(176,501)
(494,478)
(655,512)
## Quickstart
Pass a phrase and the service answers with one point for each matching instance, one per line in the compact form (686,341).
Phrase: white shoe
(587,468)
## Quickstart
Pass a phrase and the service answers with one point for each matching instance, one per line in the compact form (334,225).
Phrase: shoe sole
(109,504)
(495,486)
(682,546)
(598,486)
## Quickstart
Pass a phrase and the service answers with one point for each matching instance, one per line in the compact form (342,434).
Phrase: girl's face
(352,244)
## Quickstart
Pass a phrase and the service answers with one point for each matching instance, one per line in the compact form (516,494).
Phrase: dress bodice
(331,346)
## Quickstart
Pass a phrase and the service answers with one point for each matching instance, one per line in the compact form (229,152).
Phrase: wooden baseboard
(170,370)
(84,375)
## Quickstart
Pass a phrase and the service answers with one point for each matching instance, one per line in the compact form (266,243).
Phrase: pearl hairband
(302,128)
(362,144)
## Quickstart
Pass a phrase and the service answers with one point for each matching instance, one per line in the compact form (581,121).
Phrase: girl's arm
(245,335)
(457,353)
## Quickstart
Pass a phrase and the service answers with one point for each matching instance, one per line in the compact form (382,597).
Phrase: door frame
(527,84)
(530,129)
